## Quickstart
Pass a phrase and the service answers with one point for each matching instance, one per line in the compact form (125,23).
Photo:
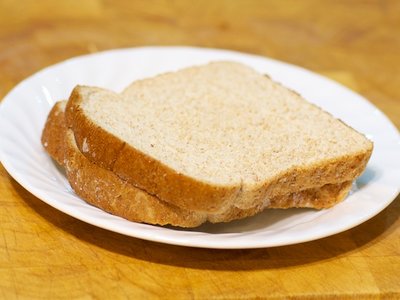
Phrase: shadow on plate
(366,178)
(277,219)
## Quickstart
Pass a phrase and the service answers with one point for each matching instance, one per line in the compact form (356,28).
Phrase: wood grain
(45,254)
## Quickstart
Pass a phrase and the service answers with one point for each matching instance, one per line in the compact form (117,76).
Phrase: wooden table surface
(47,254)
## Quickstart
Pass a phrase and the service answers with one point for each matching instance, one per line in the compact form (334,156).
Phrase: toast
(104,189)
(211,137)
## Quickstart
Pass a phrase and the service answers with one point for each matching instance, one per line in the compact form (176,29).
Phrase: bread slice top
(224,128)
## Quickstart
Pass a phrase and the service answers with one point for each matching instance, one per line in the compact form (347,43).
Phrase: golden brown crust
(154,177)
(335,171)
(53,134)
(104,147)
(165,183)
(104,189)
(318,198)
(107,191)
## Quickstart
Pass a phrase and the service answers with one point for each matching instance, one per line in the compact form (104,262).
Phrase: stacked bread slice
(214,143)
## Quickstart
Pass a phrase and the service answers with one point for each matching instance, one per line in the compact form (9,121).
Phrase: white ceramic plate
(24,111)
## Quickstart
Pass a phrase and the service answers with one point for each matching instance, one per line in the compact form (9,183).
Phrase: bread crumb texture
(223,123)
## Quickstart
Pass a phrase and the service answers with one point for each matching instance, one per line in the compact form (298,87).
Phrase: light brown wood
(46,254)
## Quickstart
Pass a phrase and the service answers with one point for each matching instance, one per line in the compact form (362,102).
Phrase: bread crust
(107,191)
(104,189)
(157,179)
(53,134)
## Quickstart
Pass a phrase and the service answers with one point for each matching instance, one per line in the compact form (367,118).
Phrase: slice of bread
(210,137)
(104,189)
